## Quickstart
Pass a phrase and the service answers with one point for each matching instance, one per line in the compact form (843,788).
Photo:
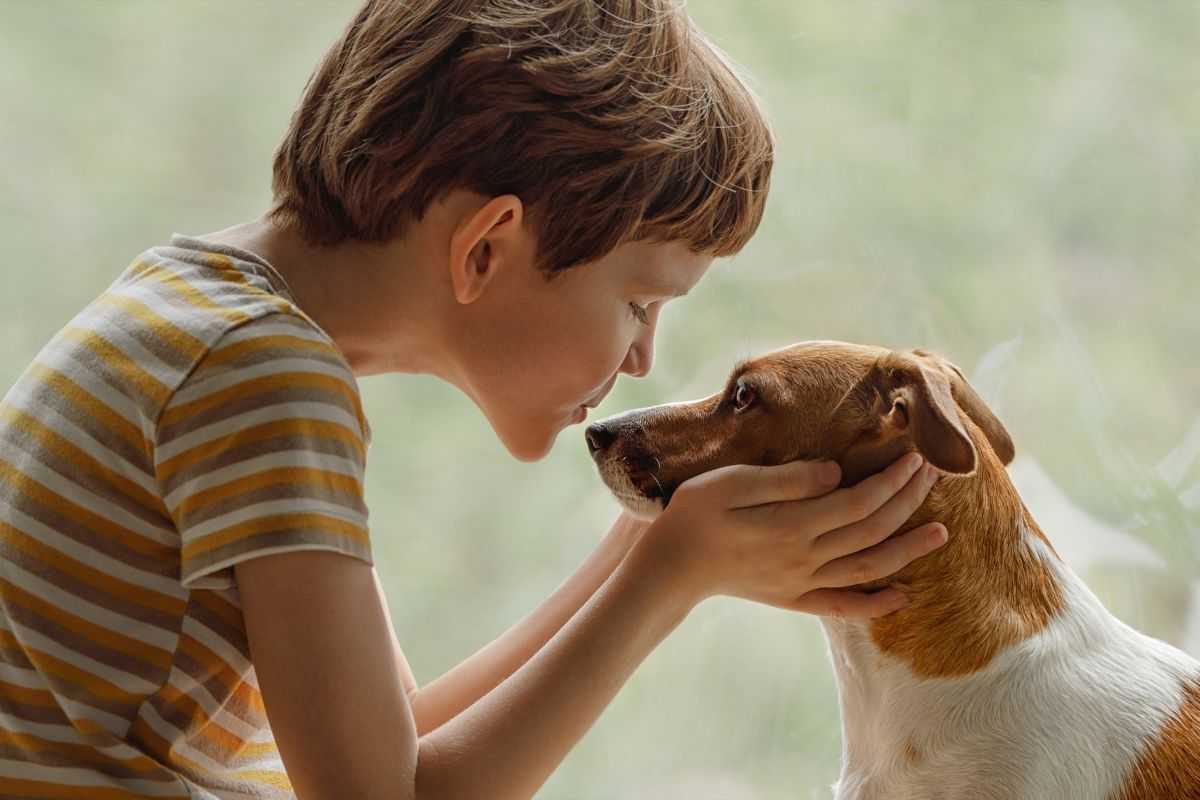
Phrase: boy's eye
(641,313)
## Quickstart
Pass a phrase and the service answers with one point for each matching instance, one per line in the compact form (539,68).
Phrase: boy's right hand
(782,535)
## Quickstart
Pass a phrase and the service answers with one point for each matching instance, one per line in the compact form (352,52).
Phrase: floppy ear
(903,404)
(970,401)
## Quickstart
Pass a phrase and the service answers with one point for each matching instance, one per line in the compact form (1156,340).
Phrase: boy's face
(546,348)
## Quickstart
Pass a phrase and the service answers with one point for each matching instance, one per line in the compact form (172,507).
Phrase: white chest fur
(1063,714)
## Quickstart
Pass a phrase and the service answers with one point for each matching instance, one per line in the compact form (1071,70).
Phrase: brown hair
(612,120)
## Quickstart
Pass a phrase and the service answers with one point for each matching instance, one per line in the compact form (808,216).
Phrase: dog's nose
(599,437)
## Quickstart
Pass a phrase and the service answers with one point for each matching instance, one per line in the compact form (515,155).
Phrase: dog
(1004,678)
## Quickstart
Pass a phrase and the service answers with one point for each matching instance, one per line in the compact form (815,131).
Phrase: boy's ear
(484,241)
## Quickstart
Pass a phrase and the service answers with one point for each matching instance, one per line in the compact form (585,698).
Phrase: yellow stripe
(93,633)
(223,744)
(126,368)
(277,779)
(161,328)
(30,697)
(161,748)
(298,426)
(79,459)
(235,350)
(225,264)
(279,381)
(276,522)
(113,422)
(190,293)
(66,671)
(217,669)
(77,752)
(307,476)
(52,501)
(11,787)
(131,593)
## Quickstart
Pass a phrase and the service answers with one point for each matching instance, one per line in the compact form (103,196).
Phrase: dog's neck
(988,587)
(992,584)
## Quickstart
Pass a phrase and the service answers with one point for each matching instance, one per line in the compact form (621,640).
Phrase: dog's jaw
(632,499)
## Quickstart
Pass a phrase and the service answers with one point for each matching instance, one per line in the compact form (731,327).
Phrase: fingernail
(911,462)
(931,474)
(830,473)
(938,535)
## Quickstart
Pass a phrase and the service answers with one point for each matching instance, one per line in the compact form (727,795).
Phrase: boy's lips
(603,393)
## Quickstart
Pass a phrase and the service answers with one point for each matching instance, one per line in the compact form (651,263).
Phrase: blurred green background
(1015,184)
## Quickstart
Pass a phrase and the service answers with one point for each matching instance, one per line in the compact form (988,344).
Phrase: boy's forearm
(449,695)
(507,744)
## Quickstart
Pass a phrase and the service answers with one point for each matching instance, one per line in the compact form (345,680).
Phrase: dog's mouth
(635,481)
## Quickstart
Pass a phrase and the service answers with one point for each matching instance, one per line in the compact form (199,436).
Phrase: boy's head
(606,131)
(612,120)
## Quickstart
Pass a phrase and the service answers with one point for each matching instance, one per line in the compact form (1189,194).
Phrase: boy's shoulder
(182,314)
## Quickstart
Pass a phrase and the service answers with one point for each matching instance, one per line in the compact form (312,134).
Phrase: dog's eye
(743,397)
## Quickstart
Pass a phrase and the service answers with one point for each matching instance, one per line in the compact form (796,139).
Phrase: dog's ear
(903,404)
(970,401)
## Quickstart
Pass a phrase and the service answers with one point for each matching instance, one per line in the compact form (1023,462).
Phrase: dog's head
(861,406)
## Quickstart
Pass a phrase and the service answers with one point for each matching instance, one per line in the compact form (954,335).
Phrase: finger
(849,603)
(882,560)
(880,525)
(846,506)
(795,480)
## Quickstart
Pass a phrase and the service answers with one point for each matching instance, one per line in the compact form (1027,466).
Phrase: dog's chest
(1063,714)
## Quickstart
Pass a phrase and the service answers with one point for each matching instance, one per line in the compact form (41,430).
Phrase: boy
(502,193)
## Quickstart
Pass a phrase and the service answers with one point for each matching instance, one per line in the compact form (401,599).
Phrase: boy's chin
(531,441)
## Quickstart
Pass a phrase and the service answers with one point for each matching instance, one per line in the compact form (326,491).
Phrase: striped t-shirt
(189,418)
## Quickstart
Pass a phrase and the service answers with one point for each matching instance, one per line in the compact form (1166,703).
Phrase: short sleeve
(262,450)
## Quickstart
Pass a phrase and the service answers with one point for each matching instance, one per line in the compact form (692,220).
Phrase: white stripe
(75,710)
(289,505)
(22,398)
(192,275)
(90,556)
(64,732)
(298,328)
(69,490)
(18,676)
(72,776)
(164,302)
(214,710)
(179,743)
(223,649)
(51,732)
(252,466)
(265,415)
(37,641)
(99,324)
(61,356)
(75,605)
(190,392)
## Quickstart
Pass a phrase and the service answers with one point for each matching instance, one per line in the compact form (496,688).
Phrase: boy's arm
(452,693)
(337,703)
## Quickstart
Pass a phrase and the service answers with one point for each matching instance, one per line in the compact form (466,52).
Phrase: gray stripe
(83,478)
(251,399)
(50,573)
(165,565)
(350,500)
(93,649)
(233,455)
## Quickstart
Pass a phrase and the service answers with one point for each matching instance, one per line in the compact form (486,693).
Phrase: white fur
(1062,715)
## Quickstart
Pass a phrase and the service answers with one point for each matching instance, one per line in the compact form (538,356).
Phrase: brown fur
(1173,761)
(865,407)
